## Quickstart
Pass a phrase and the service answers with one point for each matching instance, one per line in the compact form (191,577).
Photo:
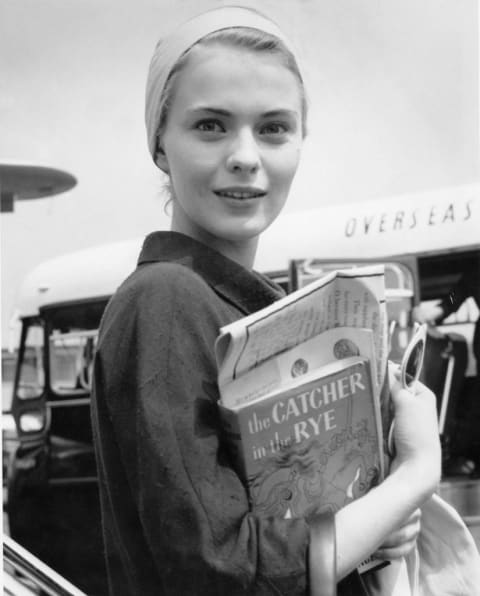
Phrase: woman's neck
(242,252)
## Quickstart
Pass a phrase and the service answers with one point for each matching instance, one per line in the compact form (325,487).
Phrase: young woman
(226,115)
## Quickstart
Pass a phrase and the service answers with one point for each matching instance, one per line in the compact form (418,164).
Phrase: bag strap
(322,555)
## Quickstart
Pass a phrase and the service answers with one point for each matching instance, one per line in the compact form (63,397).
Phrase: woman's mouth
(240,194)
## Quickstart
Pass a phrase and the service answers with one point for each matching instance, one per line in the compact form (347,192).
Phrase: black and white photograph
(240,297)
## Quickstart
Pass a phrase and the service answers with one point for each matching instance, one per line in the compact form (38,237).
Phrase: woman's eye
(274,128)
(210,126)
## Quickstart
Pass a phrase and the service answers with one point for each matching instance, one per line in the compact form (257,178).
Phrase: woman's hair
(248,38)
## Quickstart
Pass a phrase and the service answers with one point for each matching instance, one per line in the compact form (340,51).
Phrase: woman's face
(231,143)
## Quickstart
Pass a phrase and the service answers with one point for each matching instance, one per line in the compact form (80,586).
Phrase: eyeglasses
(410,369)
(412,360)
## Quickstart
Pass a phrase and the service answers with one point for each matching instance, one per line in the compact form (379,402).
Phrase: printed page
(350,298)
(330,346)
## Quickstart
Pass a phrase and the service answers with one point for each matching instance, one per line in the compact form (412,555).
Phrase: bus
(424,240)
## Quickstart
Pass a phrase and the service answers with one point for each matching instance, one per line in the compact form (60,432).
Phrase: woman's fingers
(416,428)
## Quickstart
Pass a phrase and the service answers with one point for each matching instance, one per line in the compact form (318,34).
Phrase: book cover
(314,445)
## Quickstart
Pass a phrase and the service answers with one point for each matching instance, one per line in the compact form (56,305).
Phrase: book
(313,445)
(302,395)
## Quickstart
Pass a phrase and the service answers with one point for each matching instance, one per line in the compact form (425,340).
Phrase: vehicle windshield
(72,337)
(71,361)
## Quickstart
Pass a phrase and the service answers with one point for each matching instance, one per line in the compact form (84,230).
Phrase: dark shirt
(176,516)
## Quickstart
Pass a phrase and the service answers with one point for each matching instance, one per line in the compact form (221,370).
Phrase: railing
(36,572)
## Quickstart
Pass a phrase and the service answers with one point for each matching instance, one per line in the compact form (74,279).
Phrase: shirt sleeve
(157,368)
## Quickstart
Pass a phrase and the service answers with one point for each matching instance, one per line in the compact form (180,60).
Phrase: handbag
(445,562)
(448,559)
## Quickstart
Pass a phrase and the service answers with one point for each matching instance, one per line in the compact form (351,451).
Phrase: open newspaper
(301,384)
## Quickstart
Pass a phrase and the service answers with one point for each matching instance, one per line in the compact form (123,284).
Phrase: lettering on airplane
(408,219)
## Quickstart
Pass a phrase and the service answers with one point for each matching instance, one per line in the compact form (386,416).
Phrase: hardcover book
(314,445)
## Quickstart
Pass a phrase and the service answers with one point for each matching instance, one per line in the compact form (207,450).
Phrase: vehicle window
(71,361)
(439,275)
(31,381)
(397,275)
(399,289)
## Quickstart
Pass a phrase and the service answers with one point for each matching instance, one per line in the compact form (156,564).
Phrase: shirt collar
(247,290)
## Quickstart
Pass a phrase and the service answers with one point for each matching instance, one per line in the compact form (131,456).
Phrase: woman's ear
(161,159)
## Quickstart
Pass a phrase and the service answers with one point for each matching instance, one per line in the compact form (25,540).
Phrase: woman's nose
(244,154)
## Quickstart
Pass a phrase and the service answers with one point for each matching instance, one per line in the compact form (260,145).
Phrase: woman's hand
(417,441)
(402,540)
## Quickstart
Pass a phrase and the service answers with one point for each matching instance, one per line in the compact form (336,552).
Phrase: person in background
(468,286)
(462,449)
(226,118)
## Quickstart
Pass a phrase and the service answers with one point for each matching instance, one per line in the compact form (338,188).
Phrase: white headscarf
(171,47)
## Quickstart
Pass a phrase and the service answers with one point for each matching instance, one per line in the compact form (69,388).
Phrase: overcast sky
(393,88)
